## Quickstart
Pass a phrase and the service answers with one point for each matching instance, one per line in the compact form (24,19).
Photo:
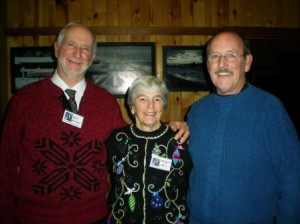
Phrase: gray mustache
(220,70)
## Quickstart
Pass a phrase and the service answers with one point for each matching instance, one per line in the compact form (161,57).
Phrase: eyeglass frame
(225,56)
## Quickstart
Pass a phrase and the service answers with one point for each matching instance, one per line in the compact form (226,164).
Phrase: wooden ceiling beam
(249,32)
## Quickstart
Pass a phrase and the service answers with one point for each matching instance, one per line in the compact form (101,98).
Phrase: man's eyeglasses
(228,56)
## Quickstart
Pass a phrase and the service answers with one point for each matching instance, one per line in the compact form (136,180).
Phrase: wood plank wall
(139,14)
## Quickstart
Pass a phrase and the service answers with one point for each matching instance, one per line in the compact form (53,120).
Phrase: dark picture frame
(118,64)
(184,68)
(30,64)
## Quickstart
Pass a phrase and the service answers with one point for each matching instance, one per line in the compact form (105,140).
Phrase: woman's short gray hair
(147,82)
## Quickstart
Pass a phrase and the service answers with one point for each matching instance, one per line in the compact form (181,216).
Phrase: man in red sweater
(52,158)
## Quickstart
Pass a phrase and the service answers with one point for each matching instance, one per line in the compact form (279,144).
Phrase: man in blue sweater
(243,144)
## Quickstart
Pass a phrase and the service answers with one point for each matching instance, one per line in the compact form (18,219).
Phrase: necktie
(72,101)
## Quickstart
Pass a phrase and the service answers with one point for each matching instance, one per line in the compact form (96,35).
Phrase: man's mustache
(223,70)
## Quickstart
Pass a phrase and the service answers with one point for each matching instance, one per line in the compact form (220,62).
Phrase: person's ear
(56,48)
(249,59)
(132,110)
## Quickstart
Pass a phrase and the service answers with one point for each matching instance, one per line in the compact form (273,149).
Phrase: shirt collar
(79,87)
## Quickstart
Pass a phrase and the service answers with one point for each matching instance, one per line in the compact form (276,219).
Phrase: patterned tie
(72,101)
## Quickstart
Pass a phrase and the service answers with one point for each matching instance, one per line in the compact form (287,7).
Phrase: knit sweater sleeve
(9,144)
(284,150)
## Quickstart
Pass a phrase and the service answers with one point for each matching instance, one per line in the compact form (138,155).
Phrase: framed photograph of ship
(184,68)
(30,64)
(117,64)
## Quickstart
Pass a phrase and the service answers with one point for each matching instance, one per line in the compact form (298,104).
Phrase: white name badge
(160,163)
(72,119)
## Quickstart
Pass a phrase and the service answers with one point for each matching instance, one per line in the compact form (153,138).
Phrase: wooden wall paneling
(140,17)
(161,18)
(290,16)
(298,14)
(151,12)
(125,38)
(28,13)
(187,101)
(50,14)
(112,18)
(199,13)
(249,13)
(200,40)
(272,18)
(175,40)
(175,18)
(59,12)
(205,8)
(201,19)
(187,13)
(234,13)
(42,8)
(13,13)
(161,14)
(39,19)
(199,94)
(152,38)
(101,38)
(139,38)
(99,12)
(31,19)
(165,117)
(246,14)
(188,98)
(87,12)
(140,13)
(175,13)
(20,13)
(160,41)
(123,105)
(254,15)
(268,13)
(240,13)
(74,11)
(125,13)
(213,14)
(188,40)
(223,13)
(175,101)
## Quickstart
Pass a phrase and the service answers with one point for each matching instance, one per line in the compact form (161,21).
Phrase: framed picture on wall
(184,68)
(117,64)
(30,64)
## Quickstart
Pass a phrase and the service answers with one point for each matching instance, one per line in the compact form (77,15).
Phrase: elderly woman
(149,169)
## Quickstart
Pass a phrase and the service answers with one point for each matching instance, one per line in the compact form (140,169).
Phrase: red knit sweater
(50,171)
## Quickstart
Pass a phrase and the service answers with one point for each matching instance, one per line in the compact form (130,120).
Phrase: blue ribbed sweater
(246,157)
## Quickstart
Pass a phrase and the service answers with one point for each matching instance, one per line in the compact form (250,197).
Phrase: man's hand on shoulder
(182,130)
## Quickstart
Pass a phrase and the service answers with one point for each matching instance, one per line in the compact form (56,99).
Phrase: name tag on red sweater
(72,119)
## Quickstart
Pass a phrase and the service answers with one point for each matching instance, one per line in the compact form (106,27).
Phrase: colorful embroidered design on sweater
(144,194)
